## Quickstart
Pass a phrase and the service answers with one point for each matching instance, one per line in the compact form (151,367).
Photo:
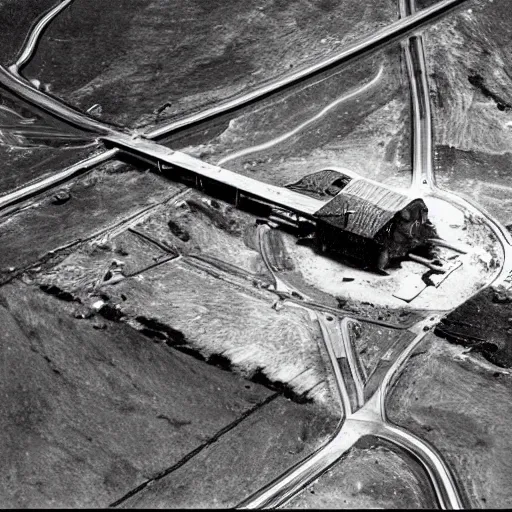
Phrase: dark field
(461,406)
(243,460)
(189,55)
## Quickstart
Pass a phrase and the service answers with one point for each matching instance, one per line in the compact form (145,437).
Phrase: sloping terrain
(461,405)
(242,461)
(470,78)
(93,409)
(165,58)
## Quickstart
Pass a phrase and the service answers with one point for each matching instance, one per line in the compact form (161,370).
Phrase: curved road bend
(52,106)
(443,482)
(369,420)
(394,31)
(423,170)
(33,37)
(23,89)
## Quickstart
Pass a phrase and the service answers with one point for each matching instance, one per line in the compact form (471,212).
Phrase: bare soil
(460,404)
(165,58)
(368,477)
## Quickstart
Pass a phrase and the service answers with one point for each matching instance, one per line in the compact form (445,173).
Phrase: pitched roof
(373,204)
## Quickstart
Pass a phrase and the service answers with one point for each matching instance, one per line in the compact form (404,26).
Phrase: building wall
(333,240)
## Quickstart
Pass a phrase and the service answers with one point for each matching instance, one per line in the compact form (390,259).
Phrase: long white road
(371,418)
(14,81)
(34,36)
(392,32)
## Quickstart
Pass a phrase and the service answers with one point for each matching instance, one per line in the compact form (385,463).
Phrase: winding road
(34,36)
(13,80)
(364,418)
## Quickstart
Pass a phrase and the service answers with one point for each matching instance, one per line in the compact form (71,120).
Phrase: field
(92,407)
(461,404)
(165,58)
(470,82)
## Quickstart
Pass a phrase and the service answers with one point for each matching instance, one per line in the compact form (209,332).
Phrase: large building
(366,221)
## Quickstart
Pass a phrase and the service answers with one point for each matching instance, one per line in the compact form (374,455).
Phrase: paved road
(371,418)
(390,33)
(34,36)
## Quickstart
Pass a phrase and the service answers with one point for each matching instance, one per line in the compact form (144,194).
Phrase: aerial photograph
(256,254)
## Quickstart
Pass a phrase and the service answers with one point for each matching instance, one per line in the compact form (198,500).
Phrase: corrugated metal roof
(373,204)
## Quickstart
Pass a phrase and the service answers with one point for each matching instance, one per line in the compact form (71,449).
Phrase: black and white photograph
(256,254)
